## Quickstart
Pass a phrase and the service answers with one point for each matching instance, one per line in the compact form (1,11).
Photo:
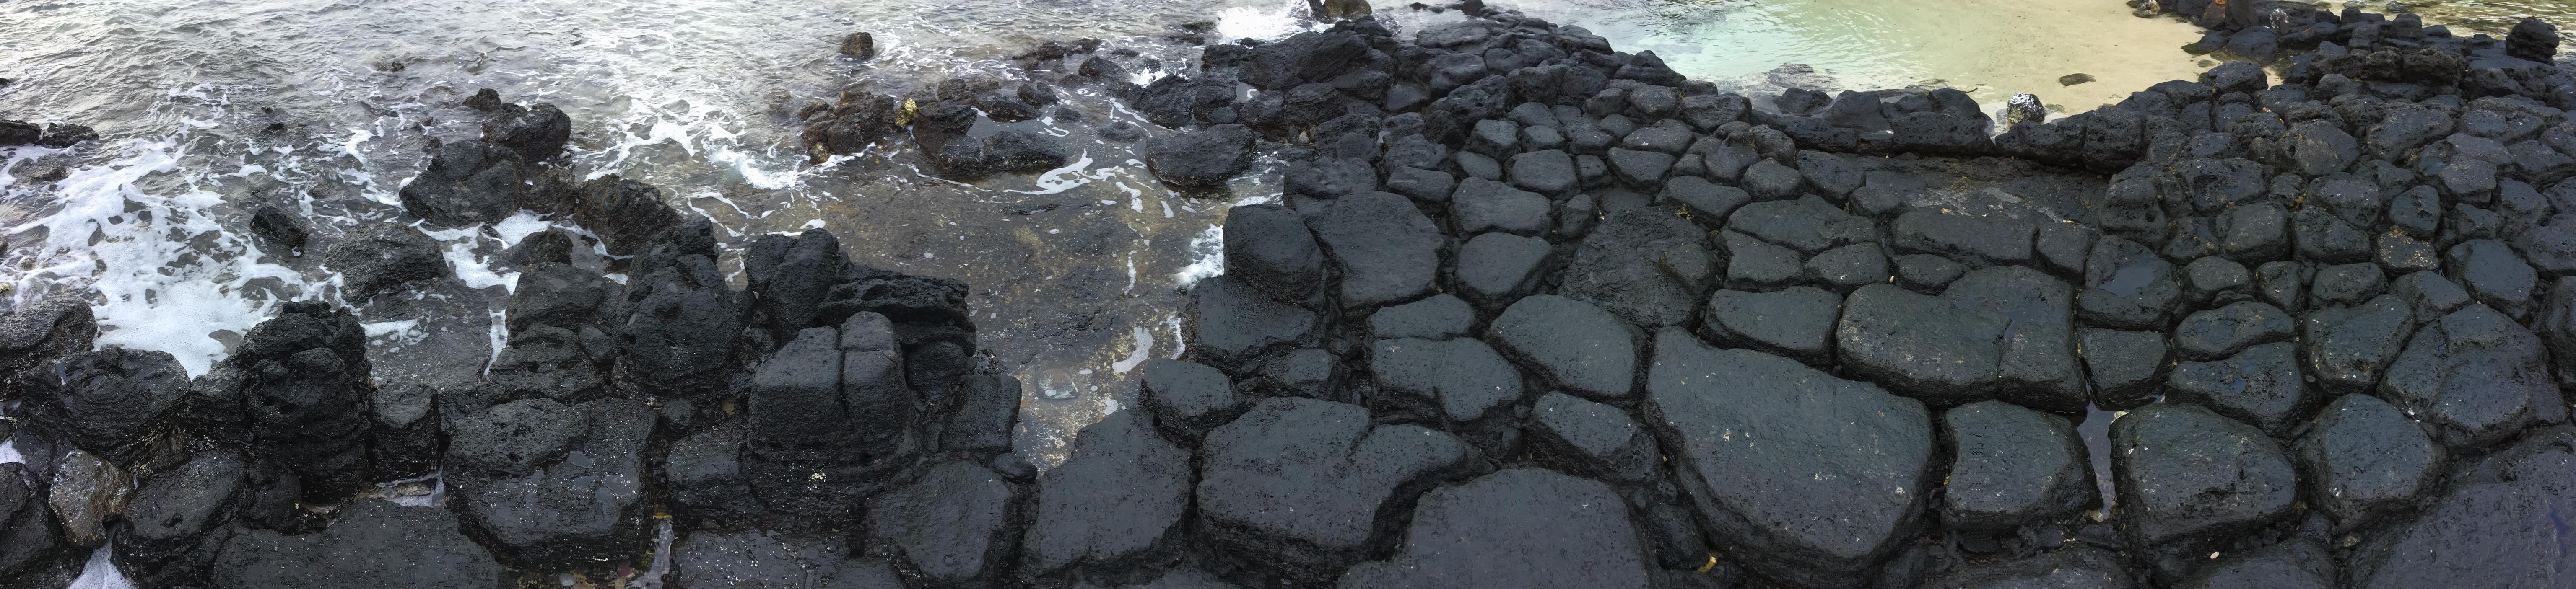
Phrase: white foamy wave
(100,571)
(1207,257)
(167,276)
(1267,24)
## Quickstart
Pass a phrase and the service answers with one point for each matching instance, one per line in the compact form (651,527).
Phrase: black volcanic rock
(2489,527)
(380,257)
(1750,433)
(2476,376)
(42,331)
(1622,265)
(585,500)
(1202,158)
(372,543)
(1522,527)
(957,525)
(115,402)
(1386,250)
(2185,474)
(2013,466)
(297,389)
(1303,488)
(2365,459)
(1114,506)
(1570,343)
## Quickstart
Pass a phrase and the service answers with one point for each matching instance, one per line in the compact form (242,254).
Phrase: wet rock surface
(1529,312)
(1522,527)
(1755,438)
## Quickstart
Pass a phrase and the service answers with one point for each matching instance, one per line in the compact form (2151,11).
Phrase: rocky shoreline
(1530,313)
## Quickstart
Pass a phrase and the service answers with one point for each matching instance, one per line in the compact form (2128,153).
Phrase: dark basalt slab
(1756,437)
(1522,527)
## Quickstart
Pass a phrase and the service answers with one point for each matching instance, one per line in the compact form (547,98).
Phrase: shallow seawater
(1990,48)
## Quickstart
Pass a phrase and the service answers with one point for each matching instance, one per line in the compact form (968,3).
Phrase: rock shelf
(1531,312)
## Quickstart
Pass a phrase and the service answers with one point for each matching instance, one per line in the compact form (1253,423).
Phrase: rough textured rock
(1757,435)
(536,133)
(1231,321)
(624,213)
(831,419)
(2005,332)
(1269,247)
(1387,251)
(1644,265)
(2292,564)
(1797,322)
(469,182)
(2348,348)
(2476,376)
(1522,527)
(1189,397)
(27,525)
(2127,286)
(1479,205)
(85,493)
(170,531)
(1114,505)
(1572,344)
(1592,439)
(2079,567)
(371,544)
(757,559)
(1437,317)
(2012,466)
(2185,474)
(954,526)
(1986,241)
(2126,366)
(296,389)
(116,403)
(41,331)
(2494,526)
(1303,487)
(704,476)
(1457,381)
(381,257)
(585,500)
(1495,269)
(2260,386)
(1204,158)
(2364,459)
(2224,331)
